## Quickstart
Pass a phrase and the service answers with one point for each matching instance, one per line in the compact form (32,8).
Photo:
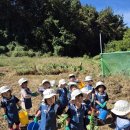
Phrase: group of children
(73,98)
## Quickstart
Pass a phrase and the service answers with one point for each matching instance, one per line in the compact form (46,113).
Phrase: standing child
(122,110)
(63,92)
(101,98)
(9,104)
(77,112)
(48,111)
(72,86)
(26,95)
(89,86)
(101,95)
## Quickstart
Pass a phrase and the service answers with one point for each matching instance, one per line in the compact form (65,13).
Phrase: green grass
(49,65)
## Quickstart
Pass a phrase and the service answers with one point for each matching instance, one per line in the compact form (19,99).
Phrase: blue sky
(121,7)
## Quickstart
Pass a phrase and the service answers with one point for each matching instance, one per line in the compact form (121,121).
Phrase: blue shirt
(77,117)
(122,124)
(10,105)
(63,96)
(48,117)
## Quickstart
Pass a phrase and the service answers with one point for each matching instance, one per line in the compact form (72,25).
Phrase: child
(121,110)
(72,78)
(9,104)
(45,85)
(26,95)
(101,96)
(63,92)
(89,81)
(77,112)
(72,86)
(48,111)
(101,99)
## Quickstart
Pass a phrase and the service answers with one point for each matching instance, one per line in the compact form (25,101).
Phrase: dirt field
(117,86)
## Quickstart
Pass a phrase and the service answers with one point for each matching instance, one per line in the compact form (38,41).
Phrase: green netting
(115,63)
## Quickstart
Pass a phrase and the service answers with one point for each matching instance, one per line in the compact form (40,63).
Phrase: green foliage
(3,49)
(62,120)
(120,45)
(25,70)
(62,27)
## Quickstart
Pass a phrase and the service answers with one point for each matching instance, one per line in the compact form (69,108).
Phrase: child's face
(73,87)
(46,85)
(62,85)
(101,89)
(50,101)
(24,85)
(72,79)
(89,82)
(7,94)
(79,99)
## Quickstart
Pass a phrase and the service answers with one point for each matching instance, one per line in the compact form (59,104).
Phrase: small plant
(62,120)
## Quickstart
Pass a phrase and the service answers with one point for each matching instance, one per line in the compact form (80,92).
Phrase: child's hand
(104,104)
(101,105)
(35,119)
(34,94)
(67,128)
(5,117)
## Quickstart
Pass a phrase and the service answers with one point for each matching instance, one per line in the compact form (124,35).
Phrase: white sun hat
(61,82)
(86,91)
(100,83)
(48,93)
(4,89)
(72,83)
(121,108)
(45,80)
(22,80)
(75,93)
(70,75)
(88,78)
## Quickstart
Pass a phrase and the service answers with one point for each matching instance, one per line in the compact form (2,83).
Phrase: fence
(115,63)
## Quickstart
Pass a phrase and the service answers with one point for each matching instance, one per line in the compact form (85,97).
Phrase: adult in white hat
(121,110)
(9,104)
(48,111)
(77,111)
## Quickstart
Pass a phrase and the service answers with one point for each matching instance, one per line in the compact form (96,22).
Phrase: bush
(3,49)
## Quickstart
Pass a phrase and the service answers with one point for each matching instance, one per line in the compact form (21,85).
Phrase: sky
(121,7)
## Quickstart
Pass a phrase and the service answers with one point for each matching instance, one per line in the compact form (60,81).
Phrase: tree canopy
(60,27)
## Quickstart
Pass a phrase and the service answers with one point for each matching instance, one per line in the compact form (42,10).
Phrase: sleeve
(2,104)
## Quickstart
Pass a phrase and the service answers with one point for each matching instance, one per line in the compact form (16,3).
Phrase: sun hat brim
(99,86)
(48,96)
(4,91)
(120,113)
(23,81)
